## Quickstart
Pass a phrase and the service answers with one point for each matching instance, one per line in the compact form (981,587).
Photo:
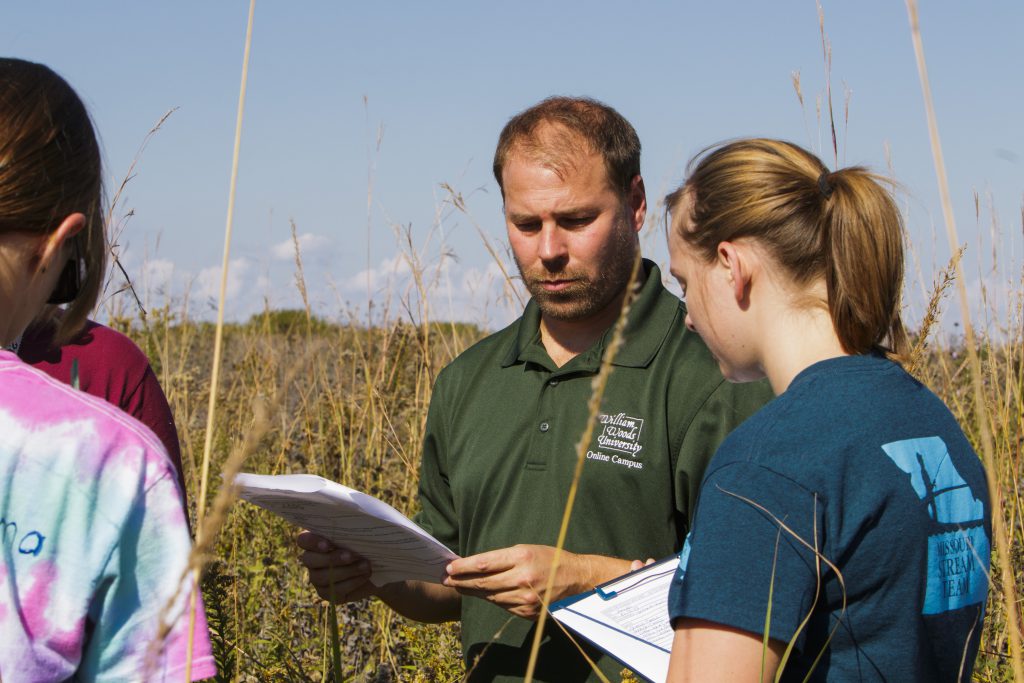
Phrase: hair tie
(823,185)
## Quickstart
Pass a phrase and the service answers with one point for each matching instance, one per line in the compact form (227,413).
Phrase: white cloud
(390,273)
(208,281)
(285,251)
(451,290)
(994,302)
(157,274)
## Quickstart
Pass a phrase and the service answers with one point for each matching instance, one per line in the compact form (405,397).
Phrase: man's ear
(49,252)
(637,202)
(737,261)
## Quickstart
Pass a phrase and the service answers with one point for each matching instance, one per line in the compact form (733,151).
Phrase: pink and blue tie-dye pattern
(93,541)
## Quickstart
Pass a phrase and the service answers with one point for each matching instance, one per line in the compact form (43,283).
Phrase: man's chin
(561,308)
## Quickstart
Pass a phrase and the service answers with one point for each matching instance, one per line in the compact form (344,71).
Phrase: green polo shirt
(500,451)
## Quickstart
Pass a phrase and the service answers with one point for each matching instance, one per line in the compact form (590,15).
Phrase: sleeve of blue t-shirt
(751,547)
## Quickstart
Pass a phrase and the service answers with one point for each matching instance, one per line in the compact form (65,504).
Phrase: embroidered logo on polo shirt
(620,433)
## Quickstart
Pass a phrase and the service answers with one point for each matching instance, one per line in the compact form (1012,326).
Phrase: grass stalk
(332,626)
(981,409)
(594,408)
(218,336)
(112,245)
(826,54)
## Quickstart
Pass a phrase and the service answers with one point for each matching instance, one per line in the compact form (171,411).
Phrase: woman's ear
(49,249)
(737,261)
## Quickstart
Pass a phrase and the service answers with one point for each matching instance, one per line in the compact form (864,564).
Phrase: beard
(587,293)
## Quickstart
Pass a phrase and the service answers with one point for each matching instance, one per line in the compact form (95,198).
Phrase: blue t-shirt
(855,507)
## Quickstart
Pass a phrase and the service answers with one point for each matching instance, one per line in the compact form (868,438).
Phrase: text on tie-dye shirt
(93,541)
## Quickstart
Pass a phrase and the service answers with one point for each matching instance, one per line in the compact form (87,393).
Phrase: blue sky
(433,83)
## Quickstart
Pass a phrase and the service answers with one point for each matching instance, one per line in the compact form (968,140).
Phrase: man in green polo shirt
(506,415)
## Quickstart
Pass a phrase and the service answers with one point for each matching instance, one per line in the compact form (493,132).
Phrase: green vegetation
(346,403)
(349,404)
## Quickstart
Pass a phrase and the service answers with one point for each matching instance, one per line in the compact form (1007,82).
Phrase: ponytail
(864,264)
(839,227)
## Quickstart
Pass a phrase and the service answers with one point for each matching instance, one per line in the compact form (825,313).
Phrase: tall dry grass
(351,405)
(348,401)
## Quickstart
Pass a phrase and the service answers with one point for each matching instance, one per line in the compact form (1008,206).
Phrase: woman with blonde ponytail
(842,532)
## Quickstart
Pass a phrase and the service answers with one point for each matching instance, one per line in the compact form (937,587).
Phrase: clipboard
(627,618)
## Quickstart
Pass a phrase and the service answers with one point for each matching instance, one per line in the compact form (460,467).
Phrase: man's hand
(515,578)
(340,575)
(337,574)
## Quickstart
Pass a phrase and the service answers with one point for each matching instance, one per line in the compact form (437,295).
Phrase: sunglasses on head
(69,284)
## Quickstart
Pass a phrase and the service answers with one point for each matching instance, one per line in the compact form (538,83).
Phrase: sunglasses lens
(69,284)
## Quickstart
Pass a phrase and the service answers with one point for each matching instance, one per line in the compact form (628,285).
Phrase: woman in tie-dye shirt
(93,539)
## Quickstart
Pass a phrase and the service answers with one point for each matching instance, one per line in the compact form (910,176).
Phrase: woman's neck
(795,339)
(22,292)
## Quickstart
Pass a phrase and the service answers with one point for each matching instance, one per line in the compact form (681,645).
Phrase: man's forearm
(421,601)
(515,578)
(600,569)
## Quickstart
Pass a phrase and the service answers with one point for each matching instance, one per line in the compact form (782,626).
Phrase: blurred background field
(350,406)
(349,403)
(366,156)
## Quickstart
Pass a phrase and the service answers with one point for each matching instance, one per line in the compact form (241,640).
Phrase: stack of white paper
(396,548)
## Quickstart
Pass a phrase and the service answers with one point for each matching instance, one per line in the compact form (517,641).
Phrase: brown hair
(841,226)
(49,169)
(552,130)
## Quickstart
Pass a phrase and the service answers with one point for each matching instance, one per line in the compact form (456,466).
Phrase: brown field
(349,403)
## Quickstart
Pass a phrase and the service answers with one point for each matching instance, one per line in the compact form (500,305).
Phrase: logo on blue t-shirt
(958,560)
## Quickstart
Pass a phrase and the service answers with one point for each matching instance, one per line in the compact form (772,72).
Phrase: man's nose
(552,247)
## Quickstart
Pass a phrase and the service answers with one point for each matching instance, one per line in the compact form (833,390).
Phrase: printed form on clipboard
(627,617)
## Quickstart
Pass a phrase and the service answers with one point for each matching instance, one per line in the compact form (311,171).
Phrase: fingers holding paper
(640,564)
(515,578)
(338,574)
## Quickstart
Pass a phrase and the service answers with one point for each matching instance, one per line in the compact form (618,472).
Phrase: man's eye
(528,226)
(577,221)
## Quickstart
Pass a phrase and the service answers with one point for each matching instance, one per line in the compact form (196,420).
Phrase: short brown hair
(573,119)
(842,226)
(49,169)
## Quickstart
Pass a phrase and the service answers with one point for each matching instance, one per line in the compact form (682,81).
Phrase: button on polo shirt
(501,447)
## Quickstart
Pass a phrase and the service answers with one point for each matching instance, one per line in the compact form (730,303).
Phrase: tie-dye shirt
(93,542)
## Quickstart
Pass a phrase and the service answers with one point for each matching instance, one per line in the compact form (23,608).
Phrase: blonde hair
(842,227)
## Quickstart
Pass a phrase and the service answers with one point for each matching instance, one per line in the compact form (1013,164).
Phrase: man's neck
(566,339)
